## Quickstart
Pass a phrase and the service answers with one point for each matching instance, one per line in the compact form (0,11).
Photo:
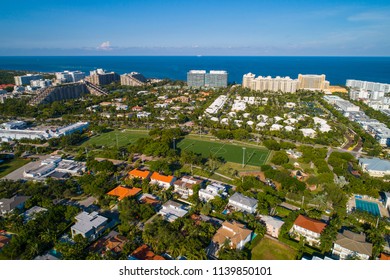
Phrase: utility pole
(174,148)
(243,157)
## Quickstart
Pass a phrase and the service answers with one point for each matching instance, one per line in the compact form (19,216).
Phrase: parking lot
(18,173)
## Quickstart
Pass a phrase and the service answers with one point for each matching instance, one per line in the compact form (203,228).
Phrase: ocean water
(336,69)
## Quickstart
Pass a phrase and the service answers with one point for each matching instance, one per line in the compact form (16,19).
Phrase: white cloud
(105,46)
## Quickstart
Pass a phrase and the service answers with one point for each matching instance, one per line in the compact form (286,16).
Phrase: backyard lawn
(270,249)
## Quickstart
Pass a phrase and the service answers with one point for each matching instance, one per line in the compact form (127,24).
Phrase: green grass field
(109,139)
(269,249)
(254,156)
(230,152)
(11,165)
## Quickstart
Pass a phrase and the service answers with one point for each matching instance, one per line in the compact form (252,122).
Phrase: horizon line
(200,56)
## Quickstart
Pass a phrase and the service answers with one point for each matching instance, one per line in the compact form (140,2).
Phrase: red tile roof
(4,241)
(122,192)
(162,178)
(2,86)
(144,253)
(139,173)
(384,257)
(310,224)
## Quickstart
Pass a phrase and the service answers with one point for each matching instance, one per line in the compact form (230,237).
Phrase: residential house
(308,132)
(300,175)
(384,257)
(89,226)
(122,192)
(273,225)
(211,191)
(136,109)
(277,119)
(115,243)
(233,232)
(243,203)
(32,212)
(4,240)
(140,174)
(8,205)
(276,127)
(149,199)
(294,154)
(309,228)
(171,210)
(162,180)
(143,114)
(352,245)
(289,128)
(386,201)
(144,253)
(47,257)
(207,219)
(316,258)
(184,186)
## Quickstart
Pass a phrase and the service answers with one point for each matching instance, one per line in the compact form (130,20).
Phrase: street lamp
(243,156)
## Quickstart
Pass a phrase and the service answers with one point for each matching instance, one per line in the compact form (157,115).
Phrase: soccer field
(109,139)
(234,153)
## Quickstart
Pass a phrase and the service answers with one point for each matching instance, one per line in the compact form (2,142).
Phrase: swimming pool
(367,206)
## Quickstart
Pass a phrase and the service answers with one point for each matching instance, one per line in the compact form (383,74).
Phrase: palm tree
(33,250)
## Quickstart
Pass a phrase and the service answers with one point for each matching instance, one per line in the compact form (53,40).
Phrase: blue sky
(195,27)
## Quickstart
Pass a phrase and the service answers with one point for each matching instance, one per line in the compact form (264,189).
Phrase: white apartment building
(217,104)
(69,76)
(371,86)
(26,79)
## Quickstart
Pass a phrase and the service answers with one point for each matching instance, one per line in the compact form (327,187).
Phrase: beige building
(283,84)
(133,79)
(101,77)
(234,233)
(313,82)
